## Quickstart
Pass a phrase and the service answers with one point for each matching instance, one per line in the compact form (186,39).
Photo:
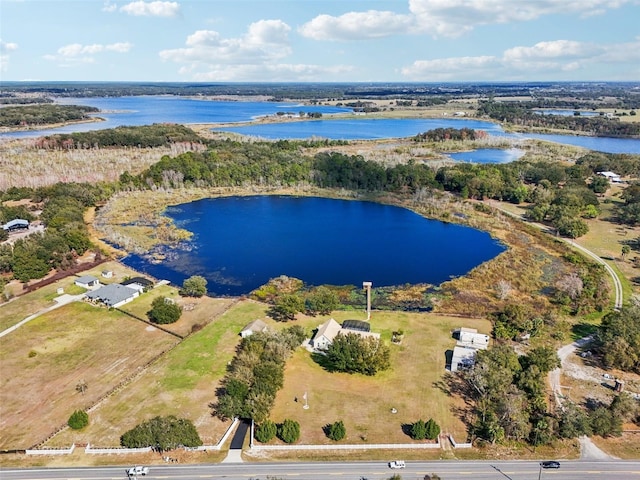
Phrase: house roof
(255,326)
(358,325)
(112,294)
(328,329)
(15,222)
(463,355)
(86,279)
(139,280)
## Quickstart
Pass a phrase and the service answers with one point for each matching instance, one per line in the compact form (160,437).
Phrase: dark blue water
(568,113)
(488,155)
(241,242)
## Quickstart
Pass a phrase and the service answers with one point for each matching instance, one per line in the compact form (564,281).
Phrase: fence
(52,451)
(357,446)
(459,445)
(102,451)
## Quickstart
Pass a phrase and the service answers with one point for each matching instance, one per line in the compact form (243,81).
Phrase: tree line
(43,114)
(517,114)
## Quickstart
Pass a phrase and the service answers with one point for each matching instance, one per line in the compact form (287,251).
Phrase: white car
(137,470)
(397,464)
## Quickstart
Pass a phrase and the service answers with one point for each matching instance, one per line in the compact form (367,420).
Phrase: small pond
(240,243)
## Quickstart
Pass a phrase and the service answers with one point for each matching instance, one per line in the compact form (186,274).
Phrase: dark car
(550,464)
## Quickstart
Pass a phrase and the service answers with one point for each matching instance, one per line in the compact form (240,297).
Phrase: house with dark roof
(329,330)
(138,283)
(113,295)
(87,281)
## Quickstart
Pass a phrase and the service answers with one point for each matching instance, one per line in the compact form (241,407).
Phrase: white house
(469,341)
(113,295)
(253,327)
(329,330)
(325,334)
(87,281)
(613,177)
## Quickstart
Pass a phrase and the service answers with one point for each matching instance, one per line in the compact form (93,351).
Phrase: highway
(415,470)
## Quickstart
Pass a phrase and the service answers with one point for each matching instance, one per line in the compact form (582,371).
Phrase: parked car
(137,470)
(550,464)
(397,464)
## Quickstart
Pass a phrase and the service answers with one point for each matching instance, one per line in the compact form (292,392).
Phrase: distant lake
(359,129)
(146,110)
(488,155)
(568,113)
(240,243)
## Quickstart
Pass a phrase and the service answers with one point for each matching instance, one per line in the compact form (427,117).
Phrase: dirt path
(588,450)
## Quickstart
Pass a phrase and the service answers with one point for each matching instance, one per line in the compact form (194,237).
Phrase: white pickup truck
(138,470)
(397,464)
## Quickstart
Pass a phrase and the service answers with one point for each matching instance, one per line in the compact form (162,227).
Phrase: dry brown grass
(415,386)
(43,361)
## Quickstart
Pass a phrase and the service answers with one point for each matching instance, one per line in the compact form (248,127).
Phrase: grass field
(414,386)
(44,360)
(182,383)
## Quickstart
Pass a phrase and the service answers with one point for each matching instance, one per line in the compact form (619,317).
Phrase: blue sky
(320,40)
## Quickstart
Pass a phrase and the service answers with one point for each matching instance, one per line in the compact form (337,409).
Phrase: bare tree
(571,284)
(82,387)
(503,289)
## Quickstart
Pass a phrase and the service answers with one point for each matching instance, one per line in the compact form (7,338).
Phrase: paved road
(447,470)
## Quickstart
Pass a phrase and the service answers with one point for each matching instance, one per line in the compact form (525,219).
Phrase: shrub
(163,433)
(289,431)
(195,286)
(419,430)
(78,420)
(266,431)
(433,429)
(163,312)
(336,431)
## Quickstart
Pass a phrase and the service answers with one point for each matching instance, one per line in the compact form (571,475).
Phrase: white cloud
(356,25)
(109,7)
(152,9)
(264,41)
(76,53)
(551,59)
(5,48)
(449,18)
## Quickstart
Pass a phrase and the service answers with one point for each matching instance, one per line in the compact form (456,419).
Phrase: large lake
(146,110)
(240,243)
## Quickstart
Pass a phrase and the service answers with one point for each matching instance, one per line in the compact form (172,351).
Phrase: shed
(469,337)
(107,273)
(113,295)
(87,281)
(357,325)
(253,327)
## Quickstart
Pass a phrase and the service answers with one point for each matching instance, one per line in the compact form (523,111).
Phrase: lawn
(44,360)
(182,383)
(414,386)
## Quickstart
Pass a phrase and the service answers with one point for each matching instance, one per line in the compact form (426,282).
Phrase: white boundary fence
(357,446)
(108,451)
(52,451)
(459,445)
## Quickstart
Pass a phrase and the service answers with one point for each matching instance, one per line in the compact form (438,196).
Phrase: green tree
(336,431)
(266,431)
(605,423)
(194,286)
(352,353)
(321,300)
(432,429)
(164,311)
(163,433)
(286,307)
(574,422)
(419,430)
(289,431)
(78,420)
